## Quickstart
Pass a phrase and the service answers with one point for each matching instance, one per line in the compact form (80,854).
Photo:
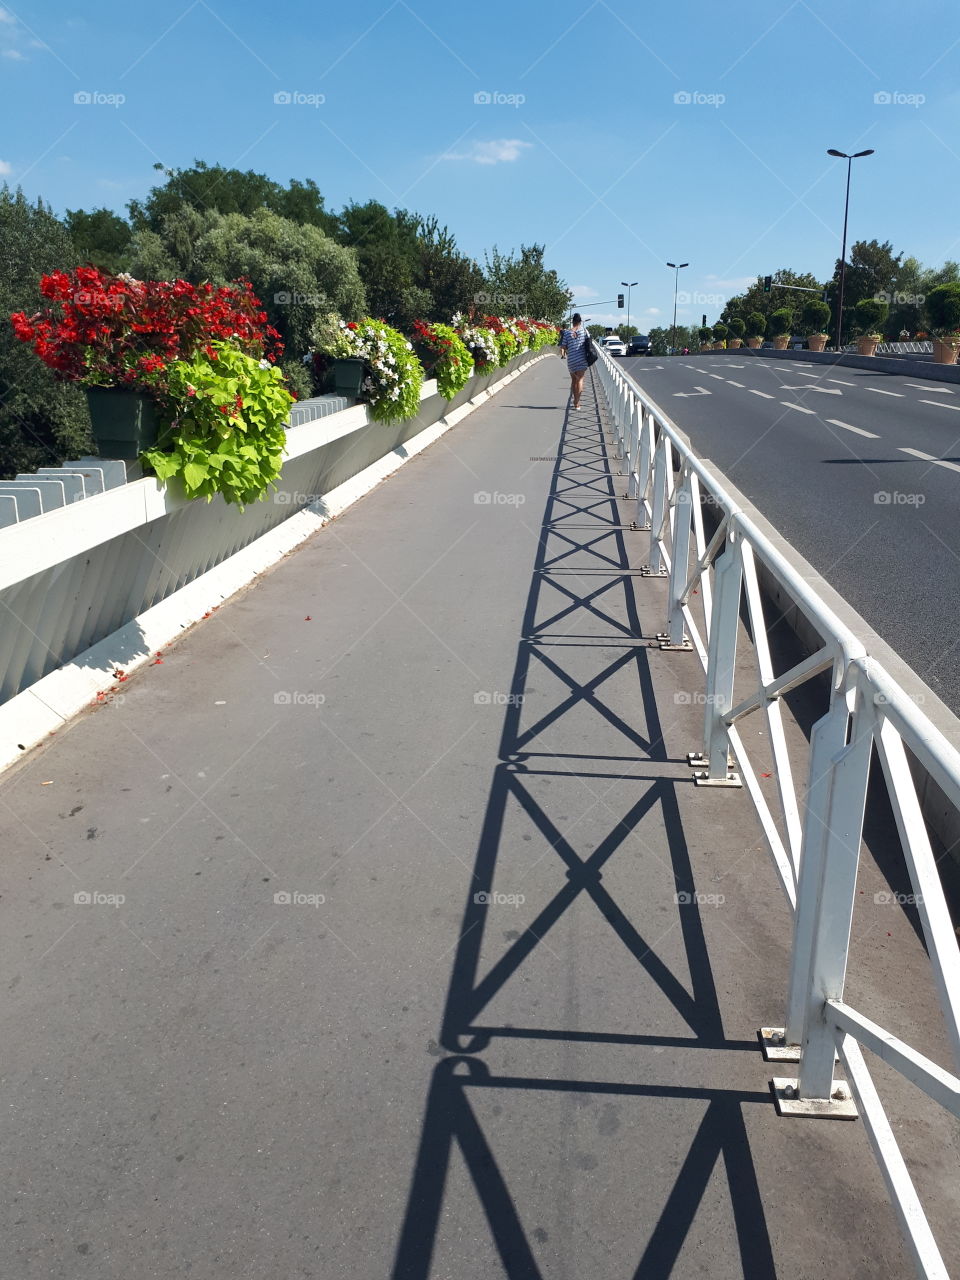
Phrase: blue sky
(621,136)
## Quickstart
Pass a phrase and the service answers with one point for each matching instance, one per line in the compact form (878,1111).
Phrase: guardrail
(813,837)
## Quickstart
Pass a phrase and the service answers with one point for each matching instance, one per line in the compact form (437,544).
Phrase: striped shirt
(574,342)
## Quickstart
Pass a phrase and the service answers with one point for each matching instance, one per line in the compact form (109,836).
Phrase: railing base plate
(704,780)
(785,1098)
(647,572)
(773,1047)
(667,646)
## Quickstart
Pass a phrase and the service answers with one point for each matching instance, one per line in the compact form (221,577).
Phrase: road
(860,471)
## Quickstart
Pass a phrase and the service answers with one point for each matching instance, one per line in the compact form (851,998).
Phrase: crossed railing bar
(815,841)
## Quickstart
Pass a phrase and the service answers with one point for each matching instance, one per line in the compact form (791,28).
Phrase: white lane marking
(806,373)
(871,435)
(806,386)
(942,404)
(700,391)
(788,405)
(928,457)
(735,384)
(898,394)
(718,376)
(760,393)
(689,366)
(841,382)
(918,386)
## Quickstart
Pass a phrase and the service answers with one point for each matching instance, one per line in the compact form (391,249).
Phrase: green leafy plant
(780,323)
(720,332)
(506,346)
(394,375)
(226,415)
(756,324)
(454,363)
(331,336)
(737,327)
(705,335)
(943,311)
(815,316)
(870,315)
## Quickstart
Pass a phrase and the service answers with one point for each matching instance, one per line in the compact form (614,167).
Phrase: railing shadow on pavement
(449,1118)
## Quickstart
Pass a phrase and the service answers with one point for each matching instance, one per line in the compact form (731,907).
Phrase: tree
(526,282)
(626,331)
(871,272)
(42,421)
(815,316)
(101,238)
(779,322)
(597,330)
(870,315)
(451,278)
(659,341)
(755,301)
(387,251)
(943,309)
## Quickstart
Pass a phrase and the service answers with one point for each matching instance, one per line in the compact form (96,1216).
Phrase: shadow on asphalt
(449,1118)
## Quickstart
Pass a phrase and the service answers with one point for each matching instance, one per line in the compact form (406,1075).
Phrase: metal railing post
(721,665)
(633,435)
(675,636)
(654,566)
(841,747)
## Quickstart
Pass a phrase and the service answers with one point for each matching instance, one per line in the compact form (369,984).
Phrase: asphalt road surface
(860,471)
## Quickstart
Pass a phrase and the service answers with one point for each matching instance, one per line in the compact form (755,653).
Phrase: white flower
(264,364)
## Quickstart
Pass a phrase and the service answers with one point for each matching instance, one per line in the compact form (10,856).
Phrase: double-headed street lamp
(843,253)
(629,285)
(677,268)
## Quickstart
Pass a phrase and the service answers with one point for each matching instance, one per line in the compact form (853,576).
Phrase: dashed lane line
(841,382)
(761,393)
(942,404)
(735,384)
(871,435)
(881,392)
(787,404)
(928,457)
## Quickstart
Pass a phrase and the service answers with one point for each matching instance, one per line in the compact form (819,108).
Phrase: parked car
(639,345)
(613,345)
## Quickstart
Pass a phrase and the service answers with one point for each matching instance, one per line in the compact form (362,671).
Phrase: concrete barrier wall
(103,583)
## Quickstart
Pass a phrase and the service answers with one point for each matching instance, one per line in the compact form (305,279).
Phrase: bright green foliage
(780,322)
(720,332)
(507,347)
(544,338)
(815,316)
(521,284)
(455,366)
(870,315)
(756,324)
(227,425)
(943,309)
(705,335)
(394,374)
(737,327)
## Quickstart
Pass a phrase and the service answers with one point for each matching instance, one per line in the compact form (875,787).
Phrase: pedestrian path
(405,947)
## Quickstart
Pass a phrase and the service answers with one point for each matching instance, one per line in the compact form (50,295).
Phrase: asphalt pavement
(860,471)
(378,932)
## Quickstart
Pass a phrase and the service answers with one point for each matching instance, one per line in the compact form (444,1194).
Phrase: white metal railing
(814,836)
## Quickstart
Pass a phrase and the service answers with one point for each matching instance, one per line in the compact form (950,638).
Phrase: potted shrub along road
(943,315)
(815,318)
(120,338)
(779,328)
(706,338)
(720,332)
(452,362)
(756,328)
(345,369)
(737,330)
(870,315)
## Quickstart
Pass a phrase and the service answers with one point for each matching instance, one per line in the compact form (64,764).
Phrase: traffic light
(620,300)
(766,283)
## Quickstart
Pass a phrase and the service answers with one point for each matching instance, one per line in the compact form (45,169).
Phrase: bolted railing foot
(704,780)
(839,1106)
(667,645)
(773,1044)
(647,572)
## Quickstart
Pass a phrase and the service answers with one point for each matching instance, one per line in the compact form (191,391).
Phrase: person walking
(573,349)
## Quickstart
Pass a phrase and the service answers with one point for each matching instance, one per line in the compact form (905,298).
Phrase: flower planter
(816,341)
(754,343)
(867,346)
(781,342)
(945,352)
(348,377)
(123,423)
(734,343)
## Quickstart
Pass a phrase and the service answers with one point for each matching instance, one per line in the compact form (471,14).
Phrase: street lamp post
(629,285)
(843,253)
(677,268)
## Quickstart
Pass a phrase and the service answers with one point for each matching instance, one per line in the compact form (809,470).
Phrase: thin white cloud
(584,292)
(6,16)
(14,54)
(496,151)
(5,168)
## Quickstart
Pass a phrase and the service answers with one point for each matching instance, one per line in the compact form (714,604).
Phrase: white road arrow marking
(918,386)
(871,435)
(700,391)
